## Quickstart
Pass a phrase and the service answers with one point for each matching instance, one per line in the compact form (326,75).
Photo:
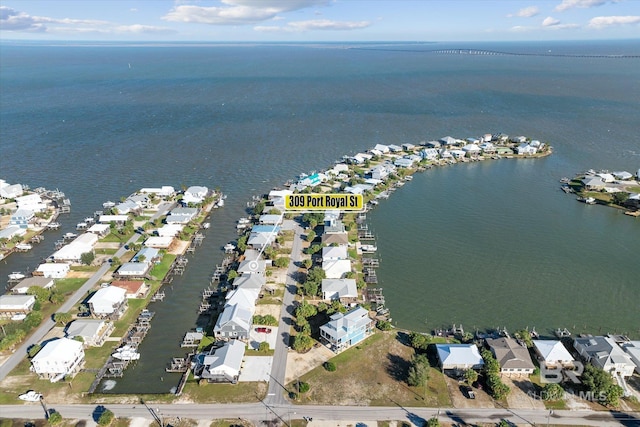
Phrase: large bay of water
(483,244)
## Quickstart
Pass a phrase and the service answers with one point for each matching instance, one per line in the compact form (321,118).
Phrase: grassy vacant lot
(373,373)
(223,393)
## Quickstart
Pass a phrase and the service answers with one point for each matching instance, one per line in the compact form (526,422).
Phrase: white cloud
(600,22)
(584,4)
(12,20)
(316,24)
(238,12)
(527,12)
(550,21)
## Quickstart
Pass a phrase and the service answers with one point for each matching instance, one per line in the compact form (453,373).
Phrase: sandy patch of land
(178,247)
(264,309)
(299,364)
(521,394)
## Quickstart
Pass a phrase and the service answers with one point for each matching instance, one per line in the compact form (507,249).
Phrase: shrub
(302,387)
(105,418)
(54,418)
(263,347)
(329,366)
(384,325)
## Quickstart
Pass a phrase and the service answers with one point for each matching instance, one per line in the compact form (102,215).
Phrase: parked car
(84,314)
(263,330)
(467,392)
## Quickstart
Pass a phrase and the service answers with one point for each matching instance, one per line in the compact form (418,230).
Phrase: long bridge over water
(459,51)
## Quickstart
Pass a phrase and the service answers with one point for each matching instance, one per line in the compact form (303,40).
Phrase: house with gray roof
(12,305)
(514,359)
(632,348)
(603,352)
(339,289)
(345,330)
(93,332)
(250,281)
(133,270)
(36,281)
(252,267)
(181,215)
(234,323)
(21,218)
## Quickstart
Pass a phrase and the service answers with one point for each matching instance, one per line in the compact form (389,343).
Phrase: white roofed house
(11,191)
(54,270)
(164,191)
(250,281)
(336,269)
(394,148)
(344,290)
(269,219)
(459,356)
(632,348)
(133,270)
(11,231)
(158,242)
(93,332)
(525,149)
(260,240)
(345,330)
(448,140)
(220,364)
(591,182)
(252,267)
(12,305)
(334,253)
(72,252)
(100,230)
(116,219)
(430,153)
(181,215)
(195,194)
(108,302)
(31,202)
(472,149)
(553,354)
(58,358)
(408,146)
(382,148)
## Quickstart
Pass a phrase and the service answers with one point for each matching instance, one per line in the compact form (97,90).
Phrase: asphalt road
(275,393)
(257,412)
(21,352)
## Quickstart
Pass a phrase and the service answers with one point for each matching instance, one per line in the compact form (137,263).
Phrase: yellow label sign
(322,202)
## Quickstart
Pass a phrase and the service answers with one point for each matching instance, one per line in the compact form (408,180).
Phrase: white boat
(108,204)
(18,317)
(53,226)
(126,352)
(369,248)
(206,225)
(30,396)
(24,247)
(229,247)
(16,275)
(243,221)
(69,236)
(220,203)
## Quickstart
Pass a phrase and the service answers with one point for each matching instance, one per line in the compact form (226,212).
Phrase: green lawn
(224,393)
(129,317)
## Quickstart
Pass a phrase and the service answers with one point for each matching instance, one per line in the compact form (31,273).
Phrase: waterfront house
(433,144)
(10,191)
(513,358)
(32,202)
(252,267)
(448,140)
(593,183)
(53,270)
(603,352)
(38,282)
(394,148)
(12,305)
(133,288)
(108,302)
(11,231)
(487,147)
(382,148)
(181,215)
(358,188)
(504,151)
(430,153)
(376,153)
(58,359)
(170,230)
(518,139)
(194,194)
(243,297)
(344,330)
(73,251)
(553,354)
(233,323)
(221,364)
(458,154)
(260,240)
(158,242)
(100,230)
(334,253)
(606,177)
(459,356)
(115,219)
(380,172)
(21,218)
(403,163)
(269,220)
(331,216)
(622,175)
(336,269)
(148,255)
(339,289)
(472,149)
(165,191)
(127,207)
(335,233)
(94,332)
(525,149)
(408,147)
(632,348)
(250,281)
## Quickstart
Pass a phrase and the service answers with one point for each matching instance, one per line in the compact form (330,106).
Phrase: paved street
(21,352)
(275,394)
(257,412)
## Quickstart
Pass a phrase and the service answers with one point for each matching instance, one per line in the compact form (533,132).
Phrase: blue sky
(319,20)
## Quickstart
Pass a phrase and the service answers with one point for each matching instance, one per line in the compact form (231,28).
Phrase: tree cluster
(497,388)
(418,371)
(601,384)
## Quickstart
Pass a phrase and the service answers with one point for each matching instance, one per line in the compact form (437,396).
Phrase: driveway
(521,394)
(256,368)
(255,337)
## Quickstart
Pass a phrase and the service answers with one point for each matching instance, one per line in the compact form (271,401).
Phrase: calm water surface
(484,244)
